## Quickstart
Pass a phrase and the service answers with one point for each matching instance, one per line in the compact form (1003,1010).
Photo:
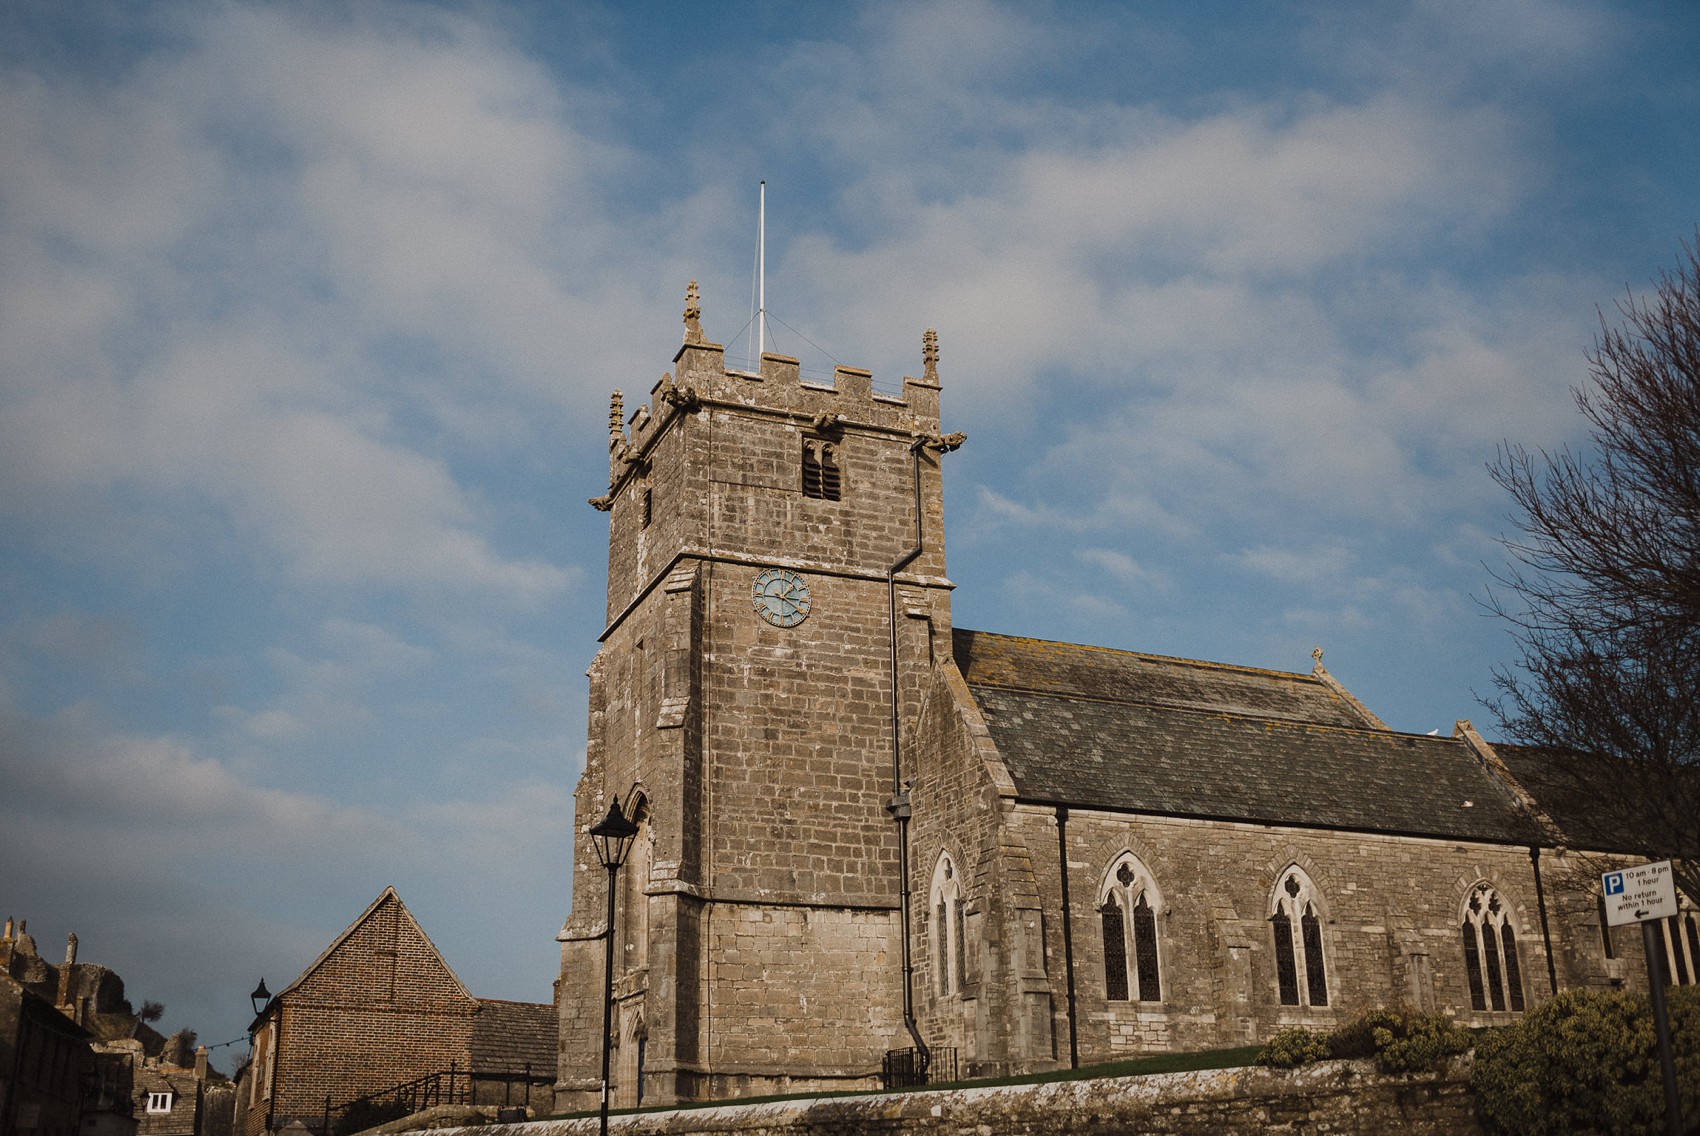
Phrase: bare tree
(1603,589)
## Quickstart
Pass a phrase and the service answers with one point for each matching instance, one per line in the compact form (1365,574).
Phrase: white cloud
(1122,567)
(1308,567)
(167,232)
(1064,604)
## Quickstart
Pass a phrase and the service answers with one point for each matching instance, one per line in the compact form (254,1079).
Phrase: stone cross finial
(616,419)
(930,356)
(1316,653)
(693,314)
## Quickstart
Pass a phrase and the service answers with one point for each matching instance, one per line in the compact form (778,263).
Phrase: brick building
(379,1008)
(863,830)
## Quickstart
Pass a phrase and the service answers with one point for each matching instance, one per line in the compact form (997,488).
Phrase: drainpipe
(1068,933)
(1541,901)
(899,805)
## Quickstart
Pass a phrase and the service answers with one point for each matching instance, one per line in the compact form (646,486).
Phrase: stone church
(869,838)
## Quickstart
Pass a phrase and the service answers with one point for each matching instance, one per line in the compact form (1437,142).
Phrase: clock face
(781,597)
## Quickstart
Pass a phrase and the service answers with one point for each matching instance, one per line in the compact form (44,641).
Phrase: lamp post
(261,1000)
(612,839)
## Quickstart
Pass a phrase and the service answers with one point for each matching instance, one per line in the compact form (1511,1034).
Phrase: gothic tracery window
(1491,966)
(1301,967)
(946,935)
(1128,908)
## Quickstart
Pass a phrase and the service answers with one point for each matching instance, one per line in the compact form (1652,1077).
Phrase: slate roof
(1091,727)
(1568,785)
(507,1035)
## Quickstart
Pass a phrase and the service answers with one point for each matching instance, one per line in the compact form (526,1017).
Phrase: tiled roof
(1089,727)
(507,1035)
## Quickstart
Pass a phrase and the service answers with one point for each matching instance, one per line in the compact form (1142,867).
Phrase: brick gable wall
(380,1007)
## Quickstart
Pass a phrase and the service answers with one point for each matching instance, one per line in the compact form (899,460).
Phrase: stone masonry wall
(1390,907)
(762,754)
(1000,1020)
(796,982)
(1338,1098)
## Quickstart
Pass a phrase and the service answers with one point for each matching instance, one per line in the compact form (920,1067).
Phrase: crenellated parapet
(701,380)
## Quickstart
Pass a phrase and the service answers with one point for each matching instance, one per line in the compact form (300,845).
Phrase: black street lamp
(612,838)
(261,998)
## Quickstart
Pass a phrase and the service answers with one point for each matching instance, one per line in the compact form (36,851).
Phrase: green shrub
(1400,1041)
(1357,1037)
(1587,1062)
(1418,1043)
(1292,1047)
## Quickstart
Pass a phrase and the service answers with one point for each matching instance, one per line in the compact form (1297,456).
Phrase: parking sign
(1639,894)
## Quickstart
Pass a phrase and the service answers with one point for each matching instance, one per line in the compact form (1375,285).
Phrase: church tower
(775,566)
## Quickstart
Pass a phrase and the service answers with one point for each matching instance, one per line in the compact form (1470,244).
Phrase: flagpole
(761,274)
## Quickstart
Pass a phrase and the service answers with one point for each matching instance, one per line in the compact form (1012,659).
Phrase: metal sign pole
(1661,1024)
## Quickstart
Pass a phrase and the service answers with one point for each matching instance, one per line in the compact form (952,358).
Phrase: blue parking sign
(1613,882)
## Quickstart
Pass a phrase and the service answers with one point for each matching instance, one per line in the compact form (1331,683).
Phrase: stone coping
(1331,1096)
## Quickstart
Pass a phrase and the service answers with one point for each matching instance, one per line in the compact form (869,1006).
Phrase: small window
(948,938)
(1605,927)
(159,1102)
(822,476)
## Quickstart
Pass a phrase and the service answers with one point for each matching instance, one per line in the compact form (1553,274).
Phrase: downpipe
(899,805)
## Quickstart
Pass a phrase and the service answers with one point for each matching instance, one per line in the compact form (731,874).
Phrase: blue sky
(310,313)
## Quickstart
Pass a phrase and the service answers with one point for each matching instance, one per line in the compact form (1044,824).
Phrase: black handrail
(453,1085)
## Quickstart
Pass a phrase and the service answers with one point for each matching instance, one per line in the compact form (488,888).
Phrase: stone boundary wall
(1340,1098)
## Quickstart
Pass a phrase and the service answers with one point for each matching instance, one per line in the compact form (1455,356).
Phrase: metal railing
(907,1068)
(453,1085)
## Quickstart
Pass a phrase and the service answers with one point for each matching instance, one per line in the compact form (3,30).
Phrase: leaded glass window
(1492,969)
(1294,908)
(1115,952)
(1128,908)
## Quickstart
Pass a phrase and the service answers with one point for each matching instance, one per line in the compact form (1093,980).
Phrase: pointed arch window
(1128,906)
(633,917)
(946,934)
(1491,965)
(1301,967)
